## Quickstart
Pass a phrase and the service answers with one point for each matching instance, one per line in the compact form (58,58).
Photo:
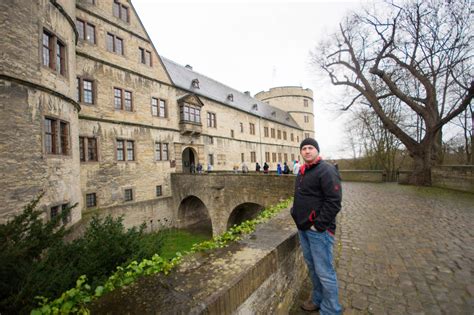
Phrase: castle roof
(185,78)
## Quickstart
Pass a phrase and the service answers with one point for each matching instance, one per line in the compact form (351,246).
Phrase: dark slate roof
(183,77)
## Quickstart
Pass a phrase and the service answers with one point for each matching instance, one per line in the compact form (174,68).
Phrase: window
(158,107)
(211,120)
(210,140)
(279,157)
(161,151)
(298,139)
(252,129)
(273,132)
(306,135)
(159,191)
(195,83)
(91,200)
(87,149)
(274,157)
(265,131)
(292,137)
(306,118)
(253,157)
(284,135)
(305,102)
(114,44)
(85,91)
(145,56)
(54,53)
(56,136)
(279,134)
(190,113)
(286,157)
(210,159)
(123,99)
(120,11)
(58,210)
(231,133)
(86,31)
(125,150)
(267,156)
(292,156)
(242,157)
(241,127)
(128,194)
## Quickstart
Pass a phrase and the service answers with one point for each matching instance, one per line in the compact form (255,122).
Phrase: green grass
(175,240)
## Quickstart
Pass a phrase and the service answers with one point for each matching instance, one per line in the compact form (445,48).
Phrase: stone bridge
(217,201)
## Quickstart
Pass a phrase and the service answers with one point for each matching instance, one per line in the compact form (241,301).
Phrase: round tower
(295,100)
(38,109)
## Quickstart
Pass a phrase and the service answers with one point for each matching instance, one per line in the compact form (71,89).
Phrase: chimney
(188,67)
(247,93)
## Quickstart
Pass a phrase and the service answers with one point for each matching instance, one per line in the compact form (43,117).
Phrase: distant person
(317,201)
(278,169)
(286,169)
(236,168)
(257,168)
(245,168)
(199,168)
(296,167)
(265,168)
(209,167)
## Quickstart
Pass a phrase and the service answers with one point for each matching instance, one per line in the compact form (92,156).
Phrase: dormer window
(195,83)
(230,97)
(255,107)
(274,113)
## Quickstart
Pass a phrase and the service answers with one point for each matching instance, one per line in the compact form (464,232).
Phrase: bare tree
(419,52)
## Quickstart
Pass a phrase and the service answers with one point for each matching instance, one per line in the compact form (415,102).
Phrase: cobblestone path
(404,250)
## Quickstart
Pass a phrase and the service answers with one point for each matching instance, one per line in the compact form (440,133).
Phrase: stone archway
(243,212)
(194,215)
(189,157)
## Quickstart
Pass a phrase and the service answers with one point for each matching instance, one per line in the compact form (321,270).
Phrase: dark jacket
(318,196)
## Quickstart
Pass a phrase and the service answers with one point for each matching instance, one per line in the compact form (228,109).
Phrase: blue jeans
(318,252)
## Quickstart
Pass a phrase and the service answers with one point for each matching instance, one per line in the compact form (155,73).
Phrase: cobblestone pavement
(404,250)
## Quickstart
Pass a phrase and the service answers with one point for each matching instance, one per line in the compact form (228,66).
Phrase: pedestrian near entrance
(257,168)
(317,201)
(265,168)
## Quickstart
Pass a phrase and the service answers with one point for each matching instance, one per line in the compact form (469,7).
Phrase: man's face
(309,153)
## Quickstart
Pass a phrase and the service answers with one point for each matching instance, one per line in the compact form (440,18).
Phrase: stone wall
(258,275)
(362,176)
(457,177)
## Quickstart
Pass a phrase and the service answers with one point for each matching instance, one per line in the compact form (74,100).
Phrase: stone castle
(91,114)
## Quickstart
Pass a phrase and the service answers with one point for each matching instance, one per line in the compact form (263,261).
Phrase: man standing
(317,201)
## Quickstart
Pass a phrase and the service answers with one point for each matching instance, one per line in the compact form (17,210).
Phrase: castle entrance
(188,158)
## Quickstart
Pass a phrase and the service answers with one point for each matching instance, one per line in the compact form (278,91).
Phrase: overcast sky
(253,46)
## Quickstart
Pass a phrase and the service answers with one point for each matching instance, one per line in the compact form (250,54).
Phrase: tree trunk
(421,175)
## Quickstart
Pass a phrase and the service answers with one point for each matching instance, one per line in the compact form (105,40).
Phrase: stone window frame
(210,159)
(59,207)
(292,157)
(85,31)
(211,119)
(53,42)
(267,157)
(113,48)
(159,112)
(306,118)
(274,157)
(161,145)
(285,137)
(306,135)
(253,157)
(279,157)
(292,137)
(120,13)
(122,99)
(159,190)
(279,134)
(84,140)
(242,157)
(56,140)
(86,200)
(125,191)
(266,133)
(285,155)
(252,128)
(80,90)
(125,150)
(272,133)
(232,135)
(241,127)
(143,57)
(197,113)
(305,103)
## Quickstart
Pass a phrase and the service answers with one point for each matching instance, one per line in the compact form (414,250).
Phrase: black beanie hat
(309,141)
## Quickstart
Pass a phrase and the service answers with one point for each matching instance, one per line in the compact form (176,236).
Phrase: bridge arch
(244,211)
(194,215)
